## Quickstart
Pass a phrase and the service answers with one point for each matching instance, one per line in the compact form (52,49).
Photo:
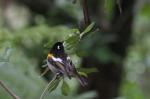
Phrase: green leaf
(88,29)
(72,41)
(65,89)
(53,85)
(75,31)
(83,74)
(87,70)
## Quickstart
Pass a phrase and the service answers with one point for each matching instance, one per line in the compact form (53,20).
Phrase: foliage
(22,51)
(136,79)
(20,69)
(20,73)
(71,43)
(65,88)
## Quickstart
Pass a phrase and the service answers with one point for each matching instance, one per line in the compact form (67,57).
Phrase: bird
(61,64)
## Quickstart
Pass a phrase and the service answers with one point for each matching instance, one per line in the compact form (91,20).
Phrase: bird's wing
(56,63)
(70,66)
(60,65)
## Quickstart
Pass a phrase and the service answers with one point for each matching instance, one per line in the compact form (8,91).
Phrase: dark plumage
(59,62)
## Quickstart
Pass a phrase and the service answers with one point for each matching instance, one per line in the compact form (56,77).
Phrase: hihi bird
(60,63)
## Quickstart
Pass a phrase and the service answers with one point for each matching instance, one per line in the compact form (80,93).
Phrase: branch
(87,20)
(10,92)
(119,5)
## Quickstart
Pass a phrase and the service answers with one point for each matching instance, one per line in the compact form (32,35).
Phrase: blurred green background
(120,49)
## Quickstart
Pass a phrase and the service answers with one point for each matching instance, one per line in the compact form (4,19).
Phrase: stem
(87,20)
(119,5)
(10,92)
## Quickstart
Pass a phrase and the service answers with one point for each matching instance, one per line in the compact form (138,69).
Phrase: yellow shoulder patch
(50,55)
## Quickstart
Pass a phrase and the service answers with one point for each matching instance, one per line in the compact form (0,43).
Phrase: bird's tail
(82,79)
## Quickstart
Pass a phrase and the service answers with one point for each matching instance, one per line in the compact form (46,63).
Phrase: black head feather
(58,49)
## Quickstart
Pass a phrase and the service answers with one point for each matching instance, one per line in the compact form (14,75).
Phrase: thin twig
(87,20)
(10,92)
(119,6)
